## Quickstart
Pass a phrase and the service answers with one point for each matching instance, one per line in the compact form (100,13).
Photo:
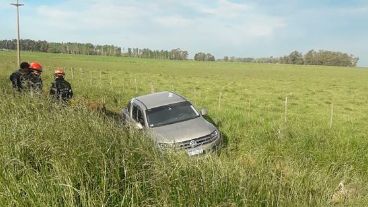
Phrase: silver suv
(172,122)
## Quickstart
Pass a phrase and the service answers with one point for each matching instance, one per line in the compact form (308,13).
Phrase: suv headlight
(214,134)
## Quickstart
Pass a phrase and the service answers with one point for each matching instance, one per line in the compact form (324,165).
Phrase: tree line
(90,49)
(312,57)
(174,54)
(66,48)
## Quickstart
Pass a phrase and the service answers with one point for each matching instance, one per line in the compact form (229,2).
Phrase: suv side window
(137,114)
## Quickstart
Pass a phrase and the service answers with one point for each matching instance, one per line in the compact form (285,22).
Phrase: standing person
(35,81)
(20,77)
(61,89)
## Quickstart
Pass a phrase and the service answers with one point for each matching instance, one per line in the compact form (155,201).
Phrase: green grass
(55,156)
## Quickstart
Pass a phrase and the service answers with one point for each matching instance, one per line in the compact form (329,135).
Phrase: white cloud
(6,4)
(173,21)
(164,24)
(55,14)
(137,16)
(192,25)
(239,20)
(226,9)
(95,16)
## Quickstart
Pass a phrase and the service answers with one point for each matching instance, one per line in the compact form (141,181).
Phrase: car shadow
(218,125)
(112,115)
(101,109)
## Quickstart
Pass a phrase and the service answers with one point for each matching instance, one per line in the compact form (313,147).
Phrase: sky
(240,28)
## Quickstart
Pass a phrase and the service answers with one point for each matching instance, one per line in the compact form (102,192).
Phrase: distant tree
(310,58)
(210,57)
(354,61)
(178,54)
(324,57)
(201,56)
(296,57)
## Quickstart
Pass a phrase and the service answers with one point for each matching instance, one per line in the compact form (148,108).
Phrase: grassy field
(276,154)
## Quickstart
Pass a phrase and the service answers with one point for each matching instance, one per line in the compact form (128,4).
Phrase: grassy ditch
(72,156)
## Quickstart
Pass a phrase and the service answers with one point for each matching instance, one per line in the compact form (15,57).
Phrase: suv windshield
(170,114)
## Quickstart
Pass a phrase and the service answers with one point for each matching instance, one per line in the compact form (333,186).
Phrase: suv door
(138,115)
(126,115)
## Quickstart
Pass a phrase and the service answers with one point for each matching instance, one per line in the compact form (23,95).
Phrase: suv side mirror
(204,112)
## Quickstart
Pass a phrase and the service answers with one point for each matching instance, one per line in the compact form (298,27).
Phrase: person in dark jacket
(20,77)
(61,90)
(34,78)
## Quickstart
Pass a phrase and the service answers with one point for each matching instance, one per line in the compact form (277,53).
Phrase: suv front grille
(196,142)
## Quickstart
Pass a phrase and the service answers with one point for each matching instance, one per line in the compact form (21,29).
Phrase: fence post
(219,100)
(286,109)
(100,79)
(331,115)
(136,87)
(72,72)
(249,108)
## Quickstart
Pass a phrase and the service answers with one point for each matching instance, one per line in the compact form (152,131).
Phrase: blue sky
(241,28)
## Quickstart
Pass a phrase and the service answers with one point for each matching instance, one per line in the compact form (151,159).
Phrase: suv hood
(182,131)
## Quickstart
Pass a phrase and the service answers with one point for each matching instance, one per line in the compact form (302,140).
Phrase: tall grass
(71,156)
(53,156)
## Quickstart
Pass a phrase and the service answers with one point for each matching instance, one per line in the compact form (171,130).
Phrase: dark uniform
(61,90)
(35,83)
(20,79)
(26,81)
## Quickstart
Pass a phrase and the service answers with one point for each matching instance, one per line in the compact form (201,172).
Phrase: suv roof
(160,99)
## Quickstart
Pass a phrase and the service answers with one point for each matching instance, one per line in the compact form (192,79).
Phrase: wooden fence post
(72,72)
(249,108)
(286,109)
(331,115)
(219,100)
(136,87)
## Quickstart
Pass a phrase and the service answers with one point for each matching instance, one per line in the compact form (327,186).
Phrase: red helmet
(35,66)
(59,72)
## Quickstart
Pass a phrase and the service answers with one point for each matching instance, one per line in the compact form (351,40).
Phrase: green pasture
(292,135)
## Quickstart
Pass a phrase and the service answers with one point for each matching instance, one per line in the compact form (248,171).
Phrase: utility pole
(18,38)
